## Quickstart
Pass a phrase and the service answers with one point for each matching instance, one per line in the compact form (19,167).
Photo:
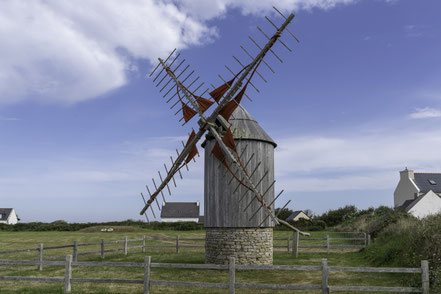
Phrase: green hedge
(408,241)
(61,225)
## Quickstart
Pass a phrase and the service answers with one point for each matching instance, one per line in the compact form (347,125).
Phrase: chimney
(407,174)
(197,203)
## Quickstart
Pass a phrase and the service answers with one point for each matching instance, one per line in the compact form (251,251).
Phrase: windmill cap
(245,127)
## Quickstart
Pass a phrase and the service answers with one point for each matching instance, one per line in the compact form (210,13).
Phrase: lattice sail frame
(227,97)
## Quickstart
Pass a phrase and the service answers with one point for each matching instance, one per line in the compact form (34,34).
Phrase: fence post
(327,243)
(102,248)
(75,251)
(287,244)
(369,239)
(143,243)
(40,256)
(425,276)
(147,275)
(125,245)
(177,244)
(232,274)
(365,240)
(68,274)
(295,244)
(325,274)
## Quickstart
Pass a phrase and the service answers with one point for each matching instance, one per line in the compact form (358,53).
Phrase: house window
(432,182)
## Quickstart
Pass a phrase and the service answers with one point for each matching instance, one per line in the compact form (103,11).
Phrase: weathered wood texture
(232,268)
(222,205)
(68,274)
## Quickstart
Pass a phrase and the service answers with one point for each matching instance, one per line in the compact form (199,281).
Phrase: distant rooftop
(428,181)
(180,210)
(4,213)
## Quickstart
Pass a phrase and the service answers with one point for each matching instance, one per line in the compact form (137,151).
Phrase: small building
(297,215)
(418,193)
(180,212)
(8,216)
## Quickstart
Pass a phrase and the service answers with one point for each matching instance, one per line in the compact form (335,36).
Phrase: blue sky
(82,130)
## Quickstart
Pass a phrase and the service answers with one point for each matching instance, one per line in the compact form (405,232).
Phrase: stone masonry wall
(247,245)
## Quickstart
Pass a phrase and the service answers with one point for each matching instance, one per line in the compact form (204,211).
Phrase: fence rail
(291,244)
(231,267)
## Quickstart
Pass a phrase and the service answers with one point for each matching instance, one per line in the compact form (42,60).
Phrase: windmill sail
(228,96)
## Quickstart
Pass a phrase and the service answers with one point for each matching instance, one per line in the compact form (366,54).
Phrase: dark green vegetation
(62,225)
(401,240)
(17,240)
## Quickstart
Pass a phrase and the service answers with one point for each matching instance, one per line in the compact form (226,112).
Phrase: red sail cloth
(229,140)
(221,90)
(229,108)
(203,103)
(194,149)
(187,112)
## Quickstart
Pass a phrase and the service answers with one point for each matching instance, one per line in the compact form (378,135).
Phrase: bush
(338,216)
(406,242)
(372,221)
(61,225)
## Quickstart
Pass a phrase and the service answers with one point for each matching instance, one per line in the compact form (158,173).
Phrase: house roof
(245,127)
(408,204)
(180,210)
(4,213)
(295,214)
(423,181)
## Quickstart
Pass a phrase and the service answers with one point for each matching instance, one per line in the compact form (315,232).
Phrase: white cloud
(62,51)
(425,112)
(4,118)
(357,162)
(414,31)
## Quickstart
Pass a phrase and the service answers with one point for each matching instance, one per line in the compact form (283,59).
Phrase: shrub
(338,216)
(408,241)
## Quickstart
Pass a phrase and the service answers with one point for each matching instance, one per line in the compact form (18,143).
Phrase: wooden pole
(369,239)
(232,274)
(143,243)
(287,244)
(40,256)
(68,274)
(325,274)
(425,276)
(295,244)
(75,251)
(177,244)
(327,243)
(102,248)
(125,245)
(147,275)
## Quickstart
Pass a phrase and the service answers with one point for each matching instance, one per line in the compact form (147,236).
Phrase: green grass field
(21,240)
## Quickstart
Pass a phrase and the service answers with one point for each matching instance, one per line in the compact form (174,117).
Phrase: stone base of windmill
(247,245)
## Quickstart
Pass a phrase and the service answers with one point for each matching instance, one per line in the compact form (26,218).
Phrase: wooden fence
(231,267)
(292,244)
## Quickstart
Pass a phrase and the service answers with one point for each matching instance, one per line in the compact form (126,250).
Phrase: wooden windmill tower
(239,157)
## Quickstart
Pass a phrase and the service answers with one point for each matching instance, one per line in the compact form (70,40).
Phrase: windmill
(239,156)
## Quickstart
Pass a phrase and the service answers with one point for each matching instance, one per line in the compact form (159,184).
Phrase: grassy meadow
(22,240)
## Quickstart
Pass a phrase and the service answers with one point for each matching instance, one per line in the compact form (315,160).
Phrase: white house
(180,212)
(8,216)
(418,193)
(296,215)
